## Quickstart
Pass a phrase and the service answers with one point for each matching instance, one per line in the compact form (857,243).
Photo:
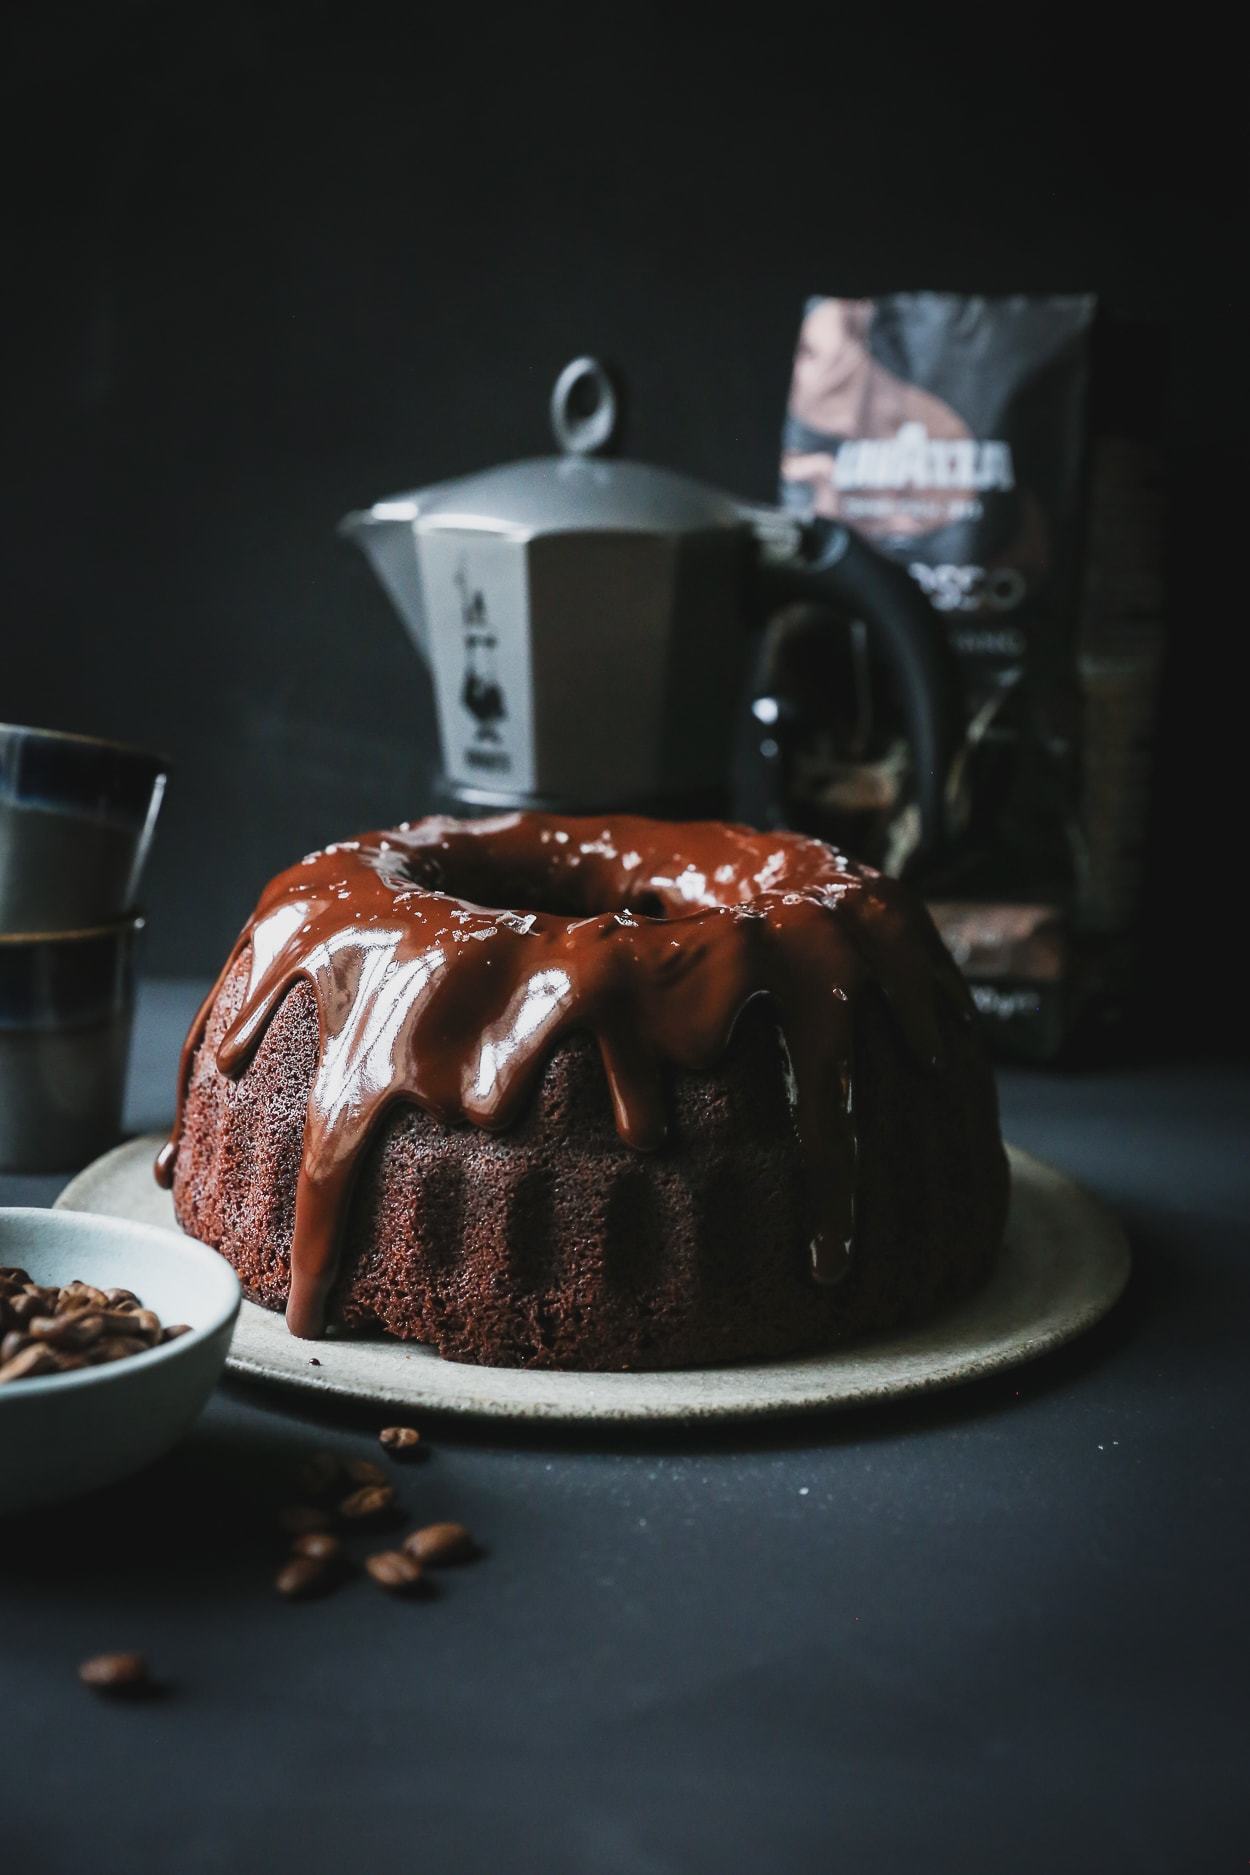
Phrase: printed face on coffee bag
(874,431)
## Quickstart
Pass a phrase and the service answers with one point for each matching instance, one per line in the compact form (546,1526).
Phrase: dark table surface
(1003,1630)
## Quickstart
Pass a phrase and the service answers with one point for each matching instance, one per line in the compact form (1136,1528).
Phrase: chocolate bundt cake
(554,1092)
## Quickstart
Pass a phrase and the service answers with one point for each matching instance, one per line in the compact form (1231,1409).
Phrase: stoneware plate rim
(110,1224)
(923,1358)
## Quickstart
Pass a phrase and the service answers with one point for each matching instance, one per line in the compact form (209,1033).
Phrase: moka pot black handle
(822,563)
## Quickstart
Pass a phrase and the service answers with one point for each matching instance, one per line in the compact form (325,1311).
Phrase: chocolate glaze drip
(651,936)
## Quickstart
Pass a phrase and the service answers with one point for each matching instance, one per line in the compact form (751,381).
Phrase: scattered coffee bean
(394,1570)
(439,1544)
(172,1333)
(320,1473)
(371,1500)
(303,1576)
(304,1519)
(319,1559)
(397,1439)
(118,1674)
(364,1471)
(319,1546)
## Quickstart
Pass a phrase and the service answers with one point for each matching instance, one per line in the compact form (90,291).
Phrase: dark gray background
(1001,1632)
(268,261)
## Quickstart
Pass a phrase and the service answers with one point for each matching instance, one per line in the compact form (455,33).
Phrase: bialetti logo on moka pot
(481,692)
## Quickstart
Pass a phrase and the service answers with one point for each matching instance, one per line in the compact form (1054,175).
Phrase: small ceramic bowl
(66,1001)
(76,822)
(66,1433)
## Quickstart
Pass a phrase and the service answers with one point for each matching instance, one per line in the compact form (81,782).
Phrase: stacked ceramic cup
(76,823)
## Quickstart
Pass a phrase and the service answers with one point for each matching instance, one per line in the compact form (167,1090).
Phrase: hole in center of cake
(568,891)
(568,897)
(560,877)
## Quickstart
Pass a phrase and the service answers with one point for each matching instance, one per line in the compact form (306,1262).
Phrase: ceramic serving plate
(1064,1264)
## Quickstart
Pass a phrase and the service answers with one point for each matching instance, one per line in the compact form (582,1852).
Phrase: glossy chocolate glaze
(448,958)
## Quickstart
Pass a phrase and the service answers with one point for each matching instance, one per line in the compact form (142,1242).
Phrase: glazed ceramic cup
(76,822)
(66,1001)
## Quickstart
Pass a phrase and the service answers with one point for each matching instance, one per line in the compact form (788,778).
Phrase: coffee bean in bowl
(72,1325)
(68,1426)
